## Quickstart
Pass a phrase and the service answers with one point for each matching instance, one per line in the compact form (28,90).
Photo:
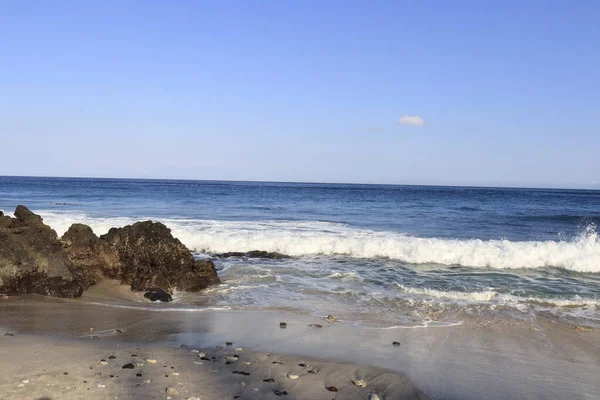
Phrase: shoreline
(483,358)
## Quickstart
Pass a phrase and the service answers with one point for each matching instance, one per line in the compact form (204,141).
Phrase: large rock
(152,258)
(92,258)
(32,259)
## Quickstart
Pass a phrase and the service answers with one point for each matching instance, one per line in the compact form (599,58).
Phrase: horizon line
(474,186)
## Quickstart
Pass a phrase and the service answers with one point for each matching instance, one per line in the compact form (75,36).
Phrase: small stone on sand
(374,397)
(201,355)
(316,325)
(396,344)
(280,392)
(283,325)
(228,343)
(100,385)
(360,383)
(128,366)
(292,376)
(332,389)
(239,349)
(330,318)
(172,391)
(151,361)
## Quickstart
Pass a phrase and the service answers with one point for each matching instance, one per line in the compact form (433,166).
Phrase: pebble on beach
(292,376)
(315,325)
(396,344)
(151,361)
(172,391)
(332,389)
(283,325)
(330,318)
(360,383)
(128,366)
(374,397)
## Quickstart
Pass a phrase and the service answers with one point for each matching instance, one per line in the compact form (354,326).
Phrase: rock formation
(32,259)
(254,254)
(92,258)
(144,255)
(152,258)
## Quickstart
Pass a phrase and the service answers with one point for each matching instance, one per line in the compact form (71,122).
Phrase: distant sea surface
(378,255)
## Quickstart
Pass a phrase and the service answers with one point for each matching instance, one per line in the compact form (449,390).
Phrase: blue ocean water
(374,251)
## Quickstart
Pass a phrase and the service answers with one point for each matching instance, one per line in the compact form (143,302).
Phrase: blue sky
(509,91)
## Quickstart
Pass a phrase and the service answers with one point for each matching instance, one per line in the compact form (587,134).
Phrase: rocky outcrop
(254,254)
(144,255)
(92,258)
(32,259)
(152,258)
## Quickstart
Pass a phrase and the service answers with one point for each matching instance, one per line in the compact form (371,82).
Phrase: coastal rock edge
(144,255)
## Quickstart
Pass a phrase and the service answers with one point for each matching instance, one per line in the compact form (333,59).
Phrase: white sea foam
(300,238)
(346,276)
(470,297)
(492,296)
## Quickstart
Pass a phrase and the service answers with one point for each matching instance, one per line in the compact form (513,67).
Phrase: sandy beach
(63,369)
(479,358)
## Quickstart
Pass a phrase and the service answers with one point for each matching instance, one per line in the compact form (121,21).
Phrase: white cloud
(414,120)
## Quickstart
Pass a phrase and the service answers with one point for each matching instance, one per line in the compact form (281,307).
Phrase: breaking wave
(304,238)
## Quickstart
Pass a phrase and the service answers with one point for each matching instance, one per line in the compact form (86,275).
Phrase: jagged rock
(144,255)
(254,254)
(156,294)
(151,257)
(92,258)
(32,259)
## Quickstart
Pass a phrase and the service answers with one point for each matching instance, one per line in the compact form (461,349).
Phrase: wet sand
(482,358)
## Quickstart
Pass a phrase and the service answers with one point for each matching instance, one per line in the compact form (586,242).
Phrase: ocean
(374,255)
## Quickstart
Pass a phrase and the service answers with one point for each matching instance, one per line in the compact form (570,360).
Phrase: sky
(503,93)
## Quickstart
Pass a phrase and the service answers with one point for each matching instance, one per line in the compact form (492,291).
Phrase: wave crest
(303,238)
